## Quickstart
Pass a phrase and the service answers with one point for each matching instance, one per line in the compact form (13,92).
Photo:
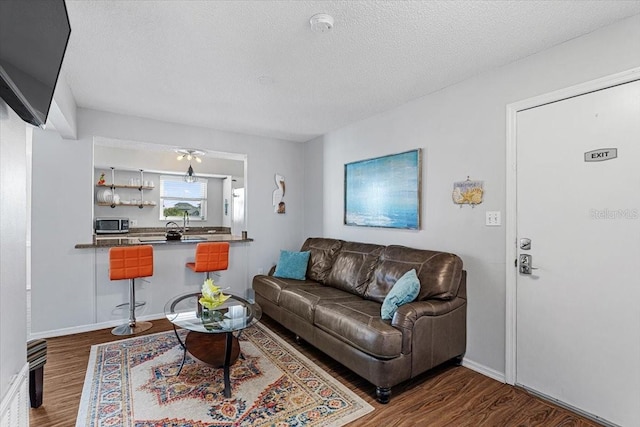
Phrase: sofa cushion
(439,273)
(302,300)
(353,267)
(269,287)
(292,265)
(404,291)
(323,252)
(358,323)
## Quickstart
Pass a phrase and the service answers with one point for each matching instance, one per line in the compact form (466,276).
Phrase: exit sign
(601,155)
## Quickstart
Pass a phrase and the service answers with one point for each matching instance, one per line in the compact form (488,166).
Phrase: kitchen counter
(149,236)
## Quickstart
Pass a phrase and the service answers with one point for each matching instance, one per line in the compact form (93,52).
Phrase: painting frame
(385,191)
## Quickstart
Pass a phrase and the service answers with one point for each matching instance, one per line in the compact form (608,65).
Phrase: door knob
(526,264)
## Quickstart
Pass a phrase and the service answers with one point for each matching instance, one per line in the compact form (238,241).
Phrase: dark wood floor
(447,396)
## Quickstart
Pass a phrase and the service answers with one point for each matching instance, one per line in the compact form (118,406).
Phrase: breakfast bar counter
(157,237)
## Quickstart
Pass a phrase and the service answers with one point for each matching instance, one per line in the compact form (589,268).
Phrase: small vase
(211,319)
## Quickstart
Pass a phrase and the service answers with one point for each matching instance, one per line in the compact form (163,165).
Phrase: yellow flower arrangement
(212,296)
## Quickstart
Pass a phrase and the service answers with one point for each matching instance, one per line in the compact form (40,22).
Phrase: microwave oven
(111,225)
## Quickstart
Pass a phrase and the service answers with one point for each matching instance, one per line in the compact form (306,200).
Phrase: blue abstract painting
(384,192)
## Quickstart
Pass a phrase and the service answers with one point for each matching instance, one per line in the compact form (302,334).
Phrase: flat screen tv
(33,39)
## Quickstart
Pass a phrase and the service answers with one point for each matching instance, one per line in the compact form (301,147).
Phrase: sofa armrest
(407,315)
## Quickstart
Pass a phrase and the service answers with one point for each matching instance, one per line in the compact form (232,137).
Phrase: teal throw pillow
(405,290)
(292,265)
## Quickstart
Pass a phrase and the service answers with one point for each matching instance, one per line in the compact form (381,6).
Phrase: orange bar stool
(210,256)
(131,262)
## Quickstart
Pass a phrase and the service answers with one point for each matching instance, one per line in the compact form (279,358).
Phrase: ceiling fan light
(188,153)
(198,159)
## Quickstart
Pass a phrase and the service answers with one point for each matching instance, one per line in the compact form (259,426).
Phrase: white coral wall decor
(278,195)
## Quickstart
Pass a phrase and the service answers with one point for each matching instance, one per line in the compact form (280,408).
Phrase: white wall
(314,190)
(62,278)
(155,157)
(63,184)
(462,131)
(13,243)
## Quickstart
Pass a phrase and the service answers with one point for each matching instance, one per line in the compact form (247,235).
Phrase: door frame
(511,251)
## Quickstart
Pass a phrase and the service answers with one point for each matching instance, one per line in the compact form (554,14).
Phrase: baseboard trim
(89,328)
(15,403)
(484,370)
(560,403)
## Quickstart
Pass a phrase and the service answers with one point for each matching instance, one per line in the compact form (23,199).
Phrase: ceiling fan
(190,155)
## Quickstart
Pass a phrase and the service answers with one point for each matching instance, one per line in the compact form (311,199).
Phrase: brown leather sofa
(337,308)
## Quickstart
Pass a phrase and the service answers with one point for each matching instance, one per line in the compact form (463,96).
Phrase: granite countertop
(156,236)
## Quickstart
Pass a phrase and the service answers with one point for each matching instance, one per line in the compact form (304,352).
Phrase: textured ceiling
(201,62)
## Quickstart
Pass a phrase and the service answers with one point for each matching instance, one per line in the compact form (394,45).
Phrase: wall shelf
(139,186)
(113,205)
(132,187)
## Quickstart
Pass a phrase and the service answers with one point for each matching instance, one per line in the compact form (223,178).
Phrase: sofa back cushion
(439,273)
(323,252)
(353,267)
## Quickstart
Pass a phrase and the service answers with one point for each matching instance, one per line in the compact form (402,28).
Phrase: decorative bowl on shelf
(104,196)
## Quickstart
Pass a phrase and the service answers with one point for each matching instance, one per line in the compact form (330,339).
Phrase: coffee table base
(213,350)
(209,349)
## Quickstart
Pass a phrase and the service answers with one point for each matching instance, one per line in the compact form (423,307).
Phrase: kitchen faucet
(185,222)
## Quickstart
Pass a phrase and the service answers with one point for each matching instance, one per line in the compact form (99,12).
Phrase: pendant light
(190,176)
(190,155)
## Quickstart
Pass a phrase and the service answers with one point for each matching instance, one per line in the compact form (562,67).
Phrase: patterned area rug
(133,383)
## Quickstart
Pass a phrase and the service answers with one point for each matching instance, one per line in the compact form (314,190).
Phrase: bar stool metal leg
(133,327)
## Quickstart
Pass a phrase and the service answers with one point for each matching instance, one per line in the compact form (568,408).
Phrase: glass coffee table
(210,339)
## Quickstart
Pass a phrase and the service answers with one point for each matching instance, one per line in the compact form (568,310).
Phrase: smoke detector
(321,23)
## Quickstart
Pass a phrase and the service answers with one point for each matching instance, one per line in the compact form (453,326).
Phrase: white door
(578,313)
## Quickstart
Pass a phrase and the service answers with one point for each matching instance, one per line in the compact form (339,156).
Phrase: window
(178,197)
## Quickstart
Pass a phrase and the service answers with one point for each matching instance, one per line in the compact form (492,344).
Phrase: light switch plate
(493,218)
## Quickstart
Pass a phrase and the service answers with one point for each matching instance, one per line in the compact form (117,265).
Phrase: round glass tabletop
(233,315)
